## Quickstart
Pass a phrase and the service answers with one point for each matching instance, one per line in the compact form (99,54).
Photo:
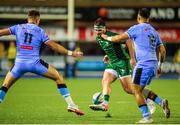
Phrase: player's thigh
(126,82)
(18,69)
(143,76)
(109,76)
(46,70)
(9,80)
(53,74)
(136,88)
(123,68)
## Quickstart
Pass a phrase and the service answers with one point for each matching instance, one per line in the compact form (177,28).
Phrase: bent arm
(4,32)
(161,53)
(130,46)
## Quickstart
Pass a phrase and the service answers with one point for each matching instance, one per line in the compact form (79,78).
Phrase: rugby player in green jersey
(119,63)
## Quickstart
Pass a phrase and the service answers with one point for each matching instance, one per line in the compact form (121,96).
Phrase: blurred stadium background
(119,14)
(75,30)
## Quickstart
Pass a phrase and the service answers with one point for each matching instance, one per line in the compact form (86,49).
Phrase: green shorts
(119,69)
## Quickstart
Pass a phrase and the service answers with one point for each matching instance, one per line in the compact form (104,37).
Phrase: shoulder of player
(145,25)
(16,25)
(39,29)
(25,25)
(133,27)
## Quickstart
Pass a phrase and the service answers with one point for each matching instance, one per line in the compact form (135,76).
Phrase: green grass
(38,101)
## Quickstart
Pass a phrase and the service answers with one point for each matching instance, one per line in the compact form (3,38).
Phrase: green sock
(106,98)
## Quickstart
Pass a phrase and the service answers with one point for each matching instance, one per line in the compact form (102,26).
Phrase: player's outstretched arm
(60,49)
(4,32)
(117,38)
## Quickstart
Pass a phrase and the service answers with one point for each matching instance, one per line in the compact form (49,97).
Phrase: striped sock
(144,110)
(62,88)
(106,99)
(155,98)
(158,100)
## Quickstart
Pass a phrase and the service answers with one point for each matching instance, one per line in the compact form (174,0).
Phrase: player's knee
(6,85)
(58,78)
(127,90)
(137,91)
(105,82)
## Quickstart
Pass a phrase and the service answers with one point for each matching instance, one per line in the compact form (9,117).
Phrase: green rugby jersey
(114,51)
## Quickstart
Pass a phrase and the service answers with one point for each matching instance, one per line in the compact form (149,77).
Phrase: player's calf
(151,106)
(161,102)
(63,90)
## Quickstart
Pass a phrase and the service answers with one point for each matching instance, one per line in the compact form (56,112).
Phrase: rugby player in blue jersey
(29,39)
(150,54)
(119,66)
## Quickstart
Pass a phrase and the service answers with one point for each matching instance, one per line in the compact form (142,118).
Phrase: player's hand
(77,54)
(159,69)
(105,59)
(104,36)
(133,62)
(158,72)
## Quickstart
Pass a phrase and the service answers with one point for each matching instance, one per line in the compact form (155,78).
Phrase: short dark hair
(33,13)
(100,22)
(144,12)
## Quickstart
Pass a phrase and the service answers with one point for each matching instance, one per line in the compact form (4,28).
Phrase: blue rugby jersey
(29,38)
(146,40)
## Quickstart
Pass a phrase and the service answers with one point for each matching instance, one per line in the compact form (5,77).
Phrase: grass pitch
(36,100)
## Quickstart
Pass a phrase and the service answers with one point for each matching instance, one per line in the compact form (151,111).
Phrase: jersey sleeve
(13,29)
(98,38)
(45,37)
(131,32)
(159,41)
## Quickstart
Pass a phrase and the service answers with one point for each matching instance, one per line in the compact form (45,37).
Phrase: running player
(147,44)
(118,65)
(29,38)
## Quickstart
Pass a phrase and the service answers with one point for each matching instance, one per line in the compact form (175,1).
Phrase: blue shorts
(38,67)
(143,75)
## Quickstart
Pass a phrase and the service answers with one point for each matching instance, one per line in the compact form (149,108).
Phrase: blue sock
(154,97)
(144,110)
(63,90)
(3,91)
(158,100)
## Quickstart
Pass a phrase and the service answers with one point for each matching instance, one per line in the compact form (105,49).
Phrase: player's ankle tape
(61,86)
(142,105)
(5,89)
